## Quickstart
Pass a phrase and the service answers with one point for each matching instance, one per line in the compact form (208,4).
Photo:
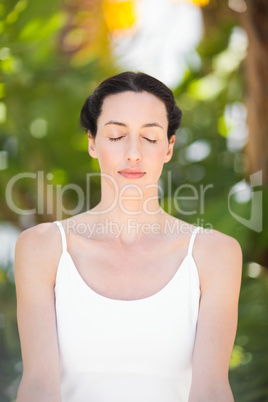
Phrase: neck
(130,216)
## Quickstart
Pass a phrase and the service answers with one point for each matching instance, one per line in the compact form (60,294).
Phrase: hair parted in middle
(134,82)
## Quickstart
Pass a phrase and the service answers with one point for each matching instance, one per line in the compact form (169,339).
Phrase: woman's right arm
(36,257)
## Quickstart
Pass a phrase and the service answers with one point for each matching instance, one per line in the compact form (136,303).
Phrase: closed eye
(122,136)
(116,139)
(152,141)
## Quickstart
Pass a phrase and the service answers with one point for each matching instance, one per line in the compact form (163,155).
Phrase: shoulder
(38,250)
(219,244)
(218,257)
(38,239)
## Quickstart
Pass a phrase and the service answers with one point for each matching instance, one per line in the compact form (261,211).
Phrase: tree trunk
(255,23)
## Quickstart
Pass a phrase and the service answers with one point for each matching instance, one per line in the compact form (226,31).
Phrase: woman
(136,311)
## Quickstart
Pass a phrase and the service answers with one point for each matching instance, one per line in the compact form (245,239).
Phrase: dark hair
(129,81)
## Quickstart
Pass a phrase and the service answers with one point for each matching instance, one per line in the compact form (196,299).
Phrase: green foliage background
(42,90)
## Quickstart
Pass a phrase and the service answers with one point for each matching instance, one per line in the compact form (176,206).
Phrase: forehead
(139,105)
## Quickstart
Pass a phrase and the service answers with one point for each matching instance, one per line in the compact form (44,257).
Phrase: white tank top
(126,350)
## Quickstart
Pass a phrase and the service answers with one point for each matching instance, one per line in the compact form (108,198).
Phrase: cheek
(104,154)
(157,155)
(108,156)
(156,159)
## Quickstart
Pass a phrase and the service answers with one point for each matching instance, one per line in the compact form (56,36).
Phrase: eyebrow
(117,123)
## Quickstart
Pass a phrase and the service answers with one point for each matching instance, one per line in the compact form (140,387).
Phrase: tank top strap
(63,236)
(191,242)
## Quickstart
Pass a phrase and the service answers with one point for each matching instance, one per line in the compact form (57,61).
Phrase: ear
(169,153)
(91,145)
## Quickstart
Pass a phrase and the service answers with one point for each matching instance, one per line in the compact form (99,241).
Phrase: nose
(133,153)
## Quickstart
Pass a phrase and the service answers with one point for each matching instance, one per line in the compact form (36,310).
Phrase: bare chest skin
(127,272)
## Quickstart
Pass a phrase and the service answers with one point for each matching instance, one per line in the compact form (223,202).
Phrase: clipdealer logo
(50,197)
(255,221)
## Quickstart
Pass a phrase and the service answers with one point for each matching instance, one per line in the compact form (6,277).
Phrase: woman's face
(131,143)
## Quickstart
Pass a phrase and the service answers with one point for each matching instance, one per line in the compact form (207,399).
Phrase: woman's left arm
(219,261)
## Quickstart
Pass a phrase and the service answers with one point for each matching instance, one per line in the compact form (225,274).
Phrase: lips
(132,173)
